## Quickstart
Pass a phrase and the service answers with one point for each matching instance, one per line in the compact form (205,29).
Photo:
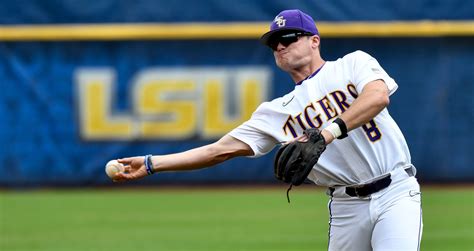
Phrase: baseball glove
(294,161)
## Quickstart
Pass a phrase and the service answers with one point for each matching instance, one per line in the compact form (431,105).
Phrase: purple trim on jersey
(312,75)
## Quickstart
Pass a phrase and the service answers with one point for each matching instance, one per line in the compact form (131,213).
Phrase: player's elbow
(378,94)
(380,98)
(217,154)
(226,148)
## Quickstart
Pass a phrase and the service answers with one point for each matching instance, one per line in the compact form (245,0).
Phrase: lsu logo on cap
(280,21)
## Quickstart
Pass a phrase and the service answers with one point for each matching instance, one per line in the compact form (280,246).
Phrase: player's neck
(306,71)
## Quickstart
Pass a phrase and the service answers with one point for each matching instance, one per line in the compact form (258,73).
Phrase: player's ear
(315,41)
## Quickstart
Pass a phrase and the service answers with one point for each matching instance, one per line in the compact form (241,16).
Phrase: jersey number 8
(372,131)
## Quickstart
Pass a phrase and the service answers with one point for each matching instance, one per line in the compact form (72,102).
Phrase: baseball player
(375,199)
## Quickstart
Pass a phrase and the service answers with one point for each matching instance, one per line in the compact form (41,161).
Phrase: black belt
(370,188)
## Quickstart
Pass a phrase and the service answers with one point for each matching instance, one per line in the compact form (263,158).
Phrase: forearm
(366,106)
(189,160)
(201,157)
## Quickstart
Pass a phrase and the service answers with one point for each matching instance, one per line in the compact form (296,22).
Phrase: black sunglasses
(286,39)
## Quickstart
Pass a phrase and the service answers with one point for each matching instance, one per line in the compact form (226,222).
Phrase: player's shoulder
(276,103)
(353,59)
(356,56)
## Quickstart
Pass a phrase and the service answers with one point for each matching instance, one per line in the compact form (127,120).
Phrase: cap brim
(265,39)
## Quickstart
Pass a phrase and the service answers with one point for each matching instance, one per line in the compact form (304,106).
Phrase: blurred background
(83,82)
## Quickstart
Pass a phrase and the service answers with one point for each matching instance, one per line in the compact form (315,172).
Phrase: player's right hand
(134,169)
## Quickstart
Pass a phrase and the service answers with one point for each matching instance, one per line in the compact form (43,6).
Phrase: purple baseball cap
(290,20)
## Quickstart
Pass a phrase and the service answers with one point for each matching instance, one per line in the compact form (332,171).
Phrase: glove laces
(288,193)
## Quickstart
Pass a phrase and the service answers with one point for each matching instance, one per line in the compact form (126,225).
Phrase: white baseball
(112,167)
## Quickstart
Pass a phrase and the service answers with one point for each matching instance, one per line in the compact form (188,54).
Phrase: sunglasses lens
(273,44)
(285,40)
(288,40)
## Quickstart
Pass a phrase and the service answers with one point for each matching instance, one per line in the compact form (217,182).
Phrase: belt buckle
(356,191)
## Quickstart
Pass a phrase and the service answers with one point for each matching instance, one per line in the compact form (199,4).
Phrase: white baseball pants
(390,219)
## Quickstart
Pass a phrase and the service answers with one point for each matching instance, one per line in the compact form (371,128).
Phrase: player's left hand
(295,160)
(134,169)
(328,138)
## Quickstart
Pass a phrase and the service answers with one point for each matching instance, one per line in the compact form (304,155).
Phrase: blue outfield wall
(126,11)
(69,107)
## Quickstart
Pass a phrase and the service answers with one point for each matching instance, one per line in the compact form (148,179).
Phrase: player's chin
(282,63)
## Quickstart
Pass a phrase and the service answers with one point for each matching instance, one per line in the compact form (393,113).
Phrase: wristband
(149,165)
(334,129)
(342,127)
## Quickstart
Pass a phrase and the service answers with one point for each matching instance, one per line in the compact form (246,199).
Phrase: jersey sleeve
(366,69)
(253,133)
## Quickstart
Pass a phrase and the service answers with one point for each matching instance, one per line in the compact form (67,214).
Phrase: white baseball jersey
(368,152)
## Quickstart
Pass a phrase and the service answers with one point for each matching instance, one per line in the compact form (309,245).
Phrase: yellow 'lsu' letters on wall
(170,103)
(163,118)
(95,112)
(231,100)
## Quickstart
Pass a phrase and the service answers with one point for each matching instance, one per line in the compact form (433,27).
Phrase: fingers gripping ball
(113,167)
(295,160)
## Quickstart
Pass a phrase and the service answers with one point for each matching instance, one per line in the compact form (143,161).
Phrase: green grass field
(202,219)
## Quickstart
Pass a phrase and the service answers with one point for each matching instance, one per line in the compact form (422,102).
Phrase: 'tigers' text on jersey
(316,111)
